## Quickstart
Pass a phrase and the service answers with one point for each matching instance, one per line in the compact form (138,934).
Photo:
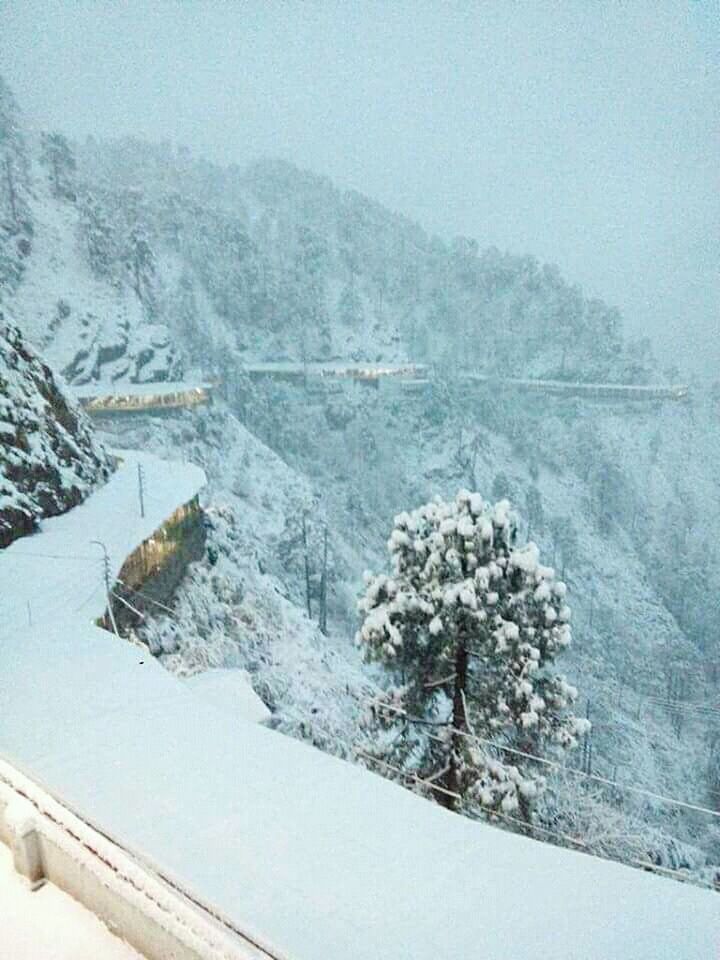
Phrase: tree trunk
(11,189)
(459,727)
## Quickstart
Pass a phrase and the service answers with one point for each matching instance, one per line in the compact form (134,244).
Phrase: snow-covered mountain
(133,262)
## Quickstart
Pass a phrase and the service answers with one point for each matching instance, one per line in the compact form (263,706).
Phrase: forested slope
(131,261)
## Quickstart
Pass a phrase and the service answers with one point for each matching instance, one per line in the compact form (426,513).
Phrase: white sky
(586,133)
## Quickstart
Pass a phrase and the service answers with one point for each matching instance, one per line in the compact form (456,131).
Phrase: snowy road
(57,574)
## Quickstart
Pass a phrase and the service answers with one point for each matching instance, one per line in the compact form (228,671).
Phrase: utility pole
(141,488)
(323,586)
(106,577)
(587,746)
(592,606)
(307,565)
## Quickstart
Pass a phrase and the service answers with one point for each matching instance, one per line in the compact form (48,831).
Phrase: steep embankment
(49,459)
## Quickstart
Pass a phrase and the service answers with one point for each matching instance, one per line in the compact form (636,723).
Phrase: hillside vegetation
(135,262)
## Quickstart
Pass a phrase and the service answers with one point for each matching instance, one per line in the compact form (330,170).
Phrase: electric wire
(596,778)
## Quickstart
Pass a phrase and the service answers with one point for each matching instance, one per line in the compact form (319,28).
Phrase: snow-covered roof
(230,691)
(302,850)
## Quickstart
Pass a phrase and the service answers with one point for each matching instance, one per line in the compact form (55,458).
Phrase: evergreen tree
(350,310)
(534,507)
(98,237)
(139,261)
(468,625)
(310,312)
(56,155)
(16,227)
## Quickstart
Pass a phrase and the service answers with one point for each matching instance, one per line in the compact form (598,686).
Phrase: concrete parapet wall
(51,844)
(152,572)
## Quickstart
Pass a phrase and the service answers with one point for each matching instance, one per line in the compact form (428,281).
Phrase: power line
(408,775)
(89,597)
(107,579)
(605,781)
(128,605)
(50,556)
(145,596)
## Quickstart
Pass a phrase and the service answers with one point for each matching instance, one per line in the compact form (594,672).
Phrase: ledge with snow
(292,853)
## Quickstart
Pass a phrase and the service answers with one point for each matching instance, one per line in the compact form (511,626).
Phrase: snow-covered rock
(49,459)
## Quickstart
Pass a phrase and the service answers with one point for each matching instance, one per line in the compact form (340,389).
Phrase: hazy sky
(587,133)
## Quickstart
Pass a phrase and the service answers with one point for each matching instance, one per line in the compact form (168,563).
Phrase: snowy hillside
(49,459)
(141,263)
(243,609)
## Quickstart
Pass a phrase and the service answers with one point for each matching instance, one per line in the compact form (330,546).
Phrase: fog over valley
(586,136)
(359,461)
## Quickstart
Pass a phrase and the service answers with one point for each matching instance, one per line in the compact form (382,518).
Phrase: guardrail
(141,401)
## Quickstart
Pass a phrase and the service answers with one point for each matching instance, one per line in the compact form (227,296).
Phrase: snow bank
(230,691)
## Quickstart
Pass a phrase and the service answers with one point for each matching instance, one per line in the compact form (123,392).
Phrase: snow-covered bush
(467,625)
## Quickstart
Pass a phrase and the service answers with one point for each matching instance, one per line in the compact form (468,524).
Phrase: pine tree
(350,309)
(57,156)
(468,625)
(16,228)
(98,237)
(139,261)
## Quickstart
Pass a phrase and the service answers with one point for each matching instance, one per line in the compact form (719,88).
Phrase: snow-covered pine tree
(139,261)
(57,156)
(98,236)
(468,625)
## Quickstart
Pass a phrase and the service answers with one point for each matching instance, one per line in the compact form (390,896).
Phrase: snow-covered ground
(231,692)
(47,924)
(246,610)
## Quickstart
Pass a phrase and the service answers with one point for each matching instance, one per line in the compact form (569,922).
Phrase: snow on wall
(48,923)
